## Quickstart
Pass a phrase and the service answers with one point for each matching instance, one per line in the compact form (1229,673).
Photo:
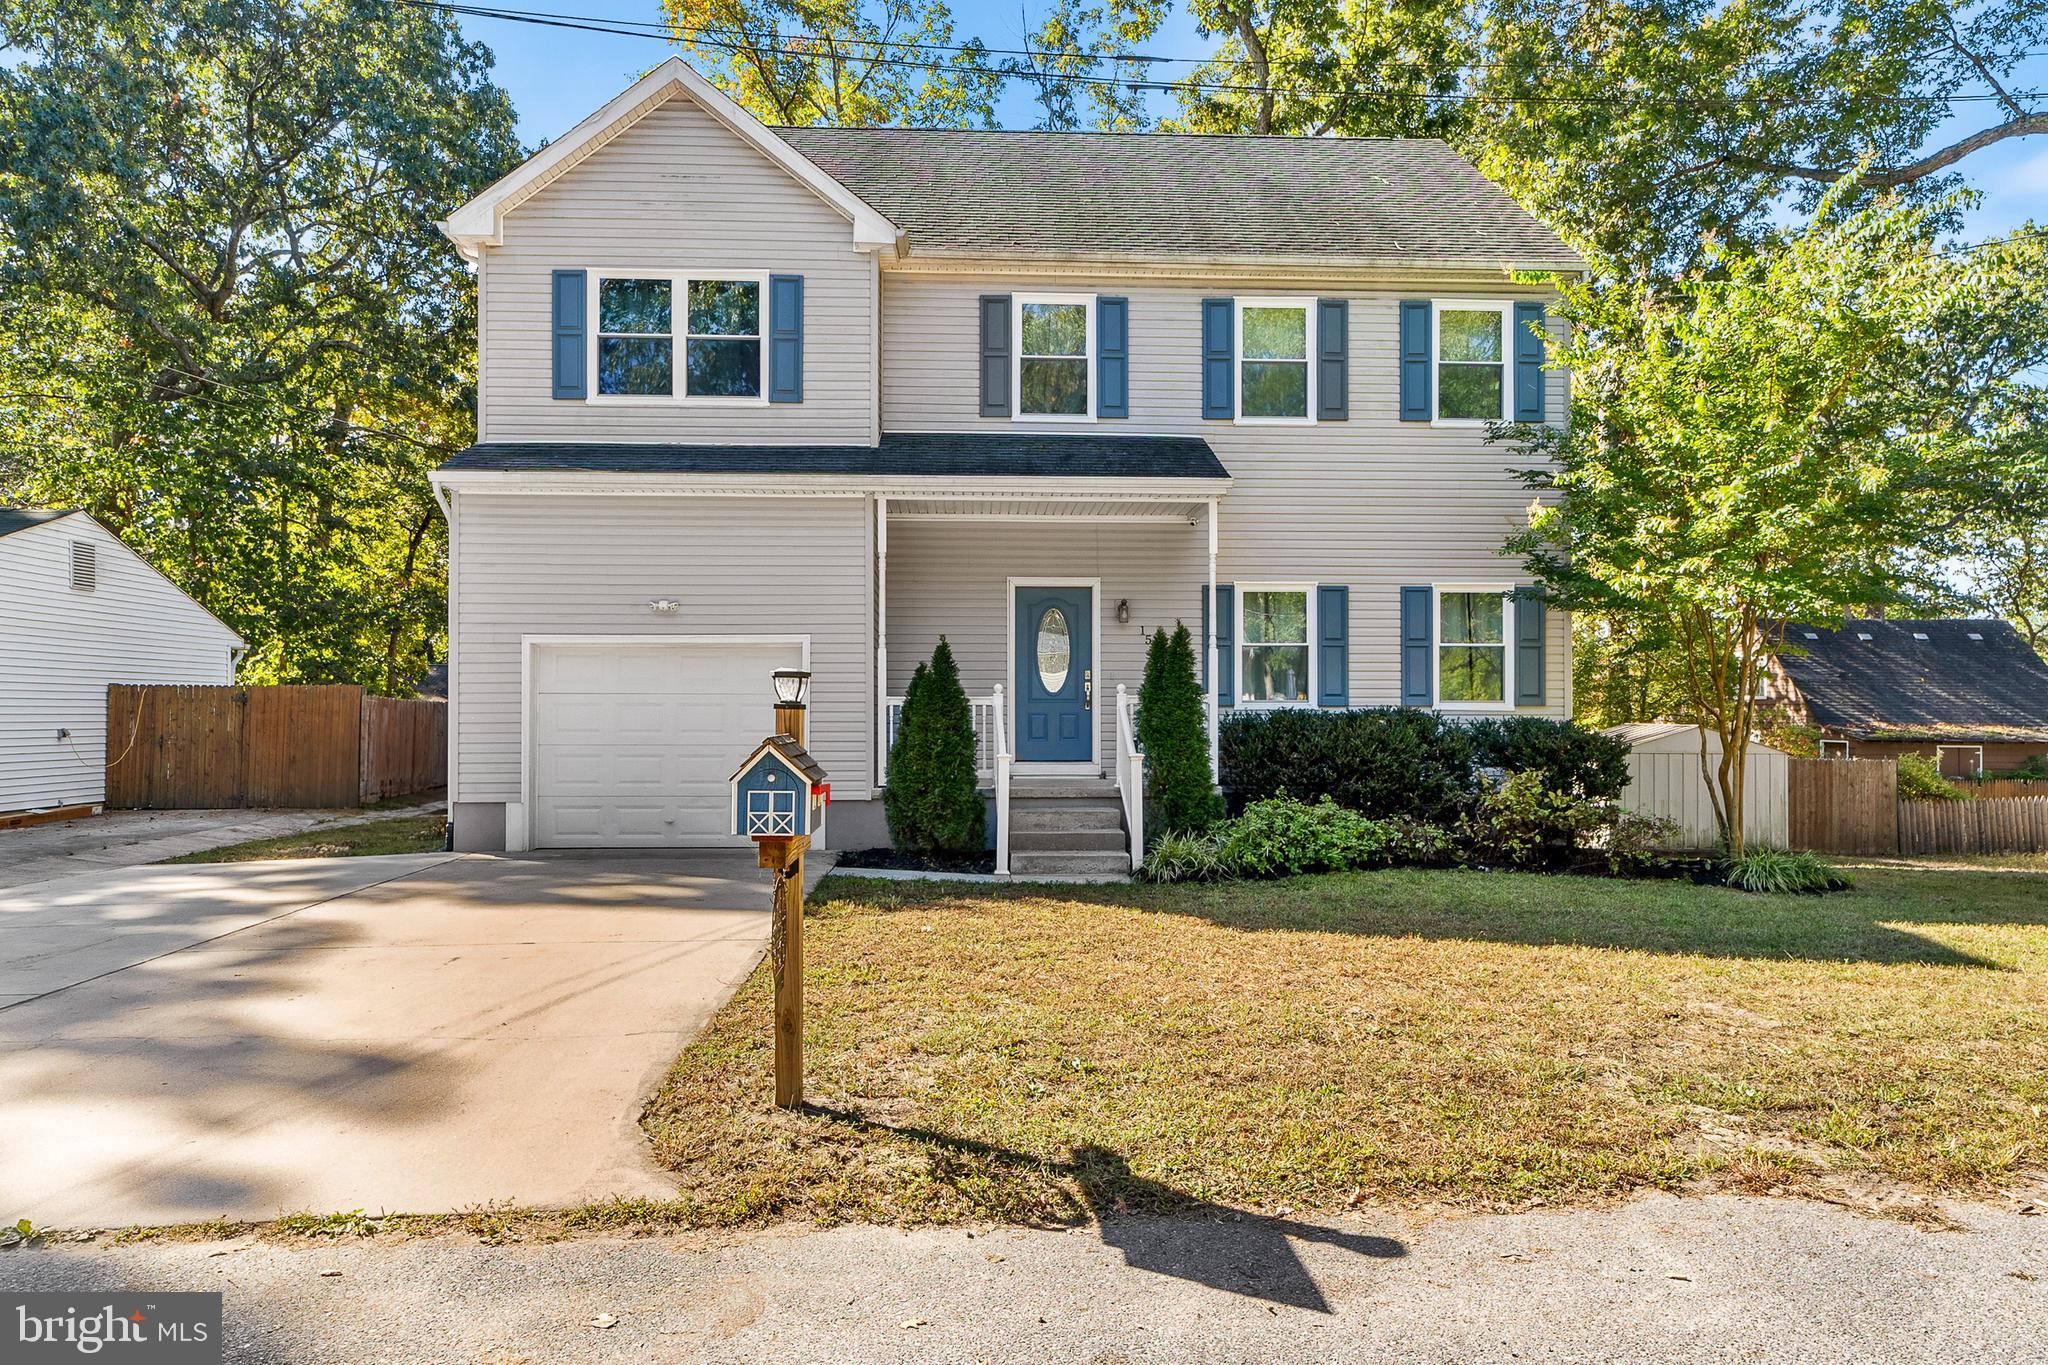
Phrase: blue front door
(1055,675)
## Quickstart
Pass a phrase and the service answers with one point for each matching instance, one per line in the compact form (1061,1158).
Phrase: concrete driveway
(407,1034)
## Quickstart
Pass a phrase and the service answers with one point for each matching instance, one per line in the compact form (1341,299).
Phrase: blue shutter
(1226,651)
(1219,359)
(571,355)
(785,338)
(1529,646)
(1333,360)
(1415,360)
(1333,645)
(1417,644)
(995,355)
(1113,357)
(1529,319)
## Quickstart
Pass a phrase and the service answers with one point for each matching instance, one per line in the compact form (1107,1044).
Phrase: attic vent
(1919,634)
(1861,636)
(85,566)
(1975,636)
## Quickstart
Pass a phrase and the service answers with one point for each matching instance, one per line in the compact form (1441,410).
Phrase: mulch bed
(895,860)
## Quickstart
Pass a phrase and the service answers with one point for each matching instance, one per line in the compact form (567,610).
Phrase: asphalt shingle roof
(1964,679)
(14,519)
(972,454)
(1110,195)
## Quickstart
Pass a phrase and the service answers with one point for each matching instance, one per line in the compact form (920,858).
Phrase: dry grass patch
(1479,1040)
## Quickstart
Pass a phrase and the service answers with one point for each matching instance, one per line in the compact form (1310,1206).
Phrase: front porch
(1048,605)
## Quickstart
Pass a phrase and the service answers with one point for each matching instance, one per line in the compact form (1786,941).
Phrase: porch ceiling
(1047,507)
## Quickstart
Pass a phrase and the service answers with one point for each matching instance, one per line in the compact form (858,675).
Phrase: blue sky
(556,76)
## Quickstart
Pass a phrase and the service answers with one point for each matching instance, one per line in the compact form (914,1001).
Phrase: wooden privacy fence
(195,748)
(1843,805)
(2002,786)
(1990,824)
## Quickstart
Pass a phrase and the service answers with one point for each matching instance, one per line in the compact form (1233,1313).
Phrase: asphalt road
(1661,1278)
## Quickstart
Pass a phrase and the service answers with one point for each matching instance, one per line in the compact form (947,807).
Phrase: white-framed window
(1052,348)
(771,812)
(1834,748)
(1276,374)
(1959,760)
(1275,623)
(1474,665)
(1471,341)
(663,336)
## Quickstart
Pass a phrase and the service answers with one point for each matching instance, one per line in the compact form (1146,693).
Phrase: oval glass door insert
(1054,650)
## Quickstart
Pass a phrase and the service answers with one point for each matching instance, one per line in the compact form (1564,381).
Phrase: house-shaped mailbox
(779,792)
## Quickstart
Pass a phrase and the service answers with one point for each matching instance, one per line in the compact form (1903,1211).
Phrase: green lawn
(1407,1037)
(405,834)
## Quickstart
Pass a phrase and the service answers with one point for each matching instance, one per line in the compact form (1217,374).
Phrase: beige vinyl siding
(676,192)
(589,565)
(59,648)
(1372,503)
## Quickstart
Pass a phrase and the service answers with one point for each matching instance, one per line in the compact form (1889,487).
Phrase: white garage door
(633,743)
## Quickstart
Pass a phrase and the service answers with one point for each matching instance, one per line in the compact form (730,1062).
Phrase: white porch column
(881,637)
(1215,673)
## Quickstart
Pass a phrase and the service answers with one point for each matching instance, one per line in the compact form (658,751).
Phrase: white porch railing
(1000,734)
(1130,772)
(983,709)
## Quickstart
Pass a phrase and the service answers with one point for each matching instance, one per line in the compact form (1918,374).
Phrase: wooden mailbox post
(778,801)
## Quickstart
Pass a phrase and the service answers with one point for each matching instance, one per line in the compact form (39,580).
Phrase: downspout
(1215,670)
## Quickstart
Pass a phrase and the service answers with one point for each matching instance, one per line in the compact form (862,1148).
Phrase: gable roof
(793,755)
(14,519)
(987,454)
(481,222)
(1314,200)
(1964,679)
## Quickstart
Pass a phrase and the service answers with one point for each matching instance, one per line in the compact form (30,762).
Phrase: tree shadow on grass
(1161,1229)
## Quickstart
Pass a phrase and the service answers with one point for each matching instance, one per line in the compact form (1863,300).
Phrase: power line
(646,30)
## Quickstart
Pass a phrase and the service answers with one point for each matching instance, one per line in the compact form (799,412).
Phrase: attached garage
(630,742)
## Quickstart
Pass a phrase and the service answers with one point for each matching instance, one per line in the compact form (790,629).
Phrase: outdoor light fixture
(792,686)
(665,605)
(1123,610)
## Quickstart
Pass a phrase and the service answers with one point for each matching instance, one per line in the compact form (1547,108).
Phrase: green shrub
(1187,858)
(1571,758)
(1921,780)
(933,798)
(1285,838)
(1780,872)
(1634,844)
(1173,730)
(1379,762)
(2035,769)
(1526,823)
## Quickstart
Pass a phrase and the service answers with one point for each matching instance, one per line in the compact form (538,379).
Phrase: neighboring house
(80,610)
(755,397)
(1970,694)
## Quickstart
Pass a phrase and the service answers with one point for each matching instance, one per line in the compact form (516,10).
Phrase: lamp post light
(786,928)
(792,696)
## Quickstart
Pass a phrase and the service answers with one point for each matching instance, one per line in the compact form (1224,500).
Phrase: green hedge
(1402,762)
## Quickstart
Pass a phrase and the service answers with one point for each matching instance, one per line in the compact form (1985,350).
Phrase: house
(80,610)
(754,398)
(1970,694)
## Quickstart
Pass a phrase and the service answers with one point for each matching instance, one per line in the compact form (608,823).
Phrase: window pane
(725,369)
(725,308)
(1468,391)
(633,306)
(1055,651)
(1275,334)
(1471,673)
(1275,389)
(1462,335)
(1472,618)
(1058,387)
(1275,673)
(1055,329)
(1276,618)
(635,365)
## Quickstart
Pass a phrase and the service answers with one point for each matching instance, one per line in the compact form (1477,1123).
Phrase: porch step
(1048,866)
(1062,789)
(1078,817)
(1110,840)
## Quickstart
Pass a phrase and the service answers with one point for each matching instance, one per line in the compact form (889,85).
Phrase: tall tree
(228,327)
(849,62)
(1081,65)
(1760,443)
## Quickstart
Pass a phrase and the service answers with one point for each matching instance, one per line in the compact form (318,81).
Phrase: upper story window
(1472,655)
(1471,360)
(1055,350)
(1273,652)
(637,336)
(1275,381)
